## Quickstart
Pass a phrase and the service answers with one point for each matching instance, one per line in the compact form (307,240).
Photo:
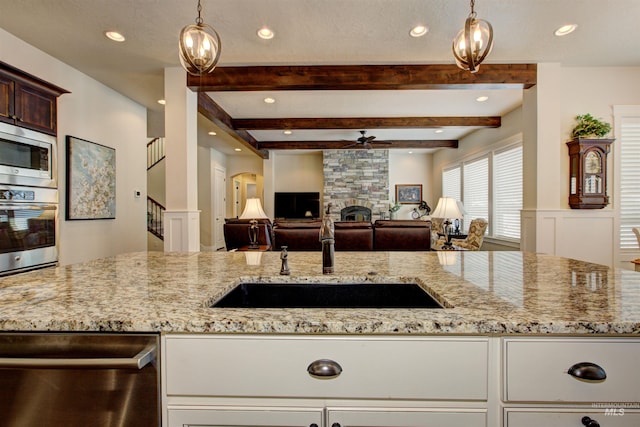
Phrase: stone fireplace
(356,179)
(355,213)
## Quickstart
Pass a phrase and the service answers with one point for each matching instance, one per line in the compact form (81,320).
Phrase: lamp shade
(448,207)
(253,209)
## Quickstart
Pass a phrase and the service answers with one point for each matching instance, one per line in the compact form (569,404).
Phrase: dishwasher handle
(139,361)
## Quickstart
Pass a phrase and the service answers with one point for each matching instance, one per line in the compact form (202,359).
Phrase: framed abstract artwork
(407,194)
(91,180)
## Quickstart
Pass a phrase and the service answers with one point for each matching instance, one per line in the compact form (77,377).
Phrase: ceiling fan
(366,141)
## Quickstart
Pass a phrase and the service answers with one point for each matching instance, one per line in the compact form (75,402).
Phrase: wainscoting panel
(587,235)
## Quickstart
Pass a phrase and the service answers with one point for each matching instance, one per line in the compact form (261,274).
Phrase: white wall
(96,113)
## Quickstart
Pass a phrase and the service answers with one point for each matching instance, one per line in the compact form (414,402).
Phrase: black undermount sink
(328,295)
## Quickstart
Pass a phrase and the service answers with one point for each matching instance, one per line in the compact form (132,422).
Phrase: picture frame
(90,180)
(408,194)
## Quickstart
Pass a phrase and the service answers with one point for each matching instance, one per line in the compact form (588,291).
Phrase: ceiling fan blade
(369,139)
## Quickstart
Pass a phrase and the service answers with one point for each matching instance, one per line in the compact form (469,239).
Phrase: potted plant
(590,127)
(394,207)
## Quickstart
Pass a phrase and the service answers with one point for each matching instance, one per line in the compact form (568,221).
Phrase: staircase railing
(155,218)
(155,152)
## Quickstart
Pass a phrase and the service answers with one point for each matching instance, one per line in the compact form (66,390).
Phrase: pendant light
(473,43)
(199,47)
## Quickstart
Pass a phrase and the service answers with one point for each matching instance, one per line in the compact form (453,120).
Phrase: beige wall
(545,120)
(405,168)
(96,113)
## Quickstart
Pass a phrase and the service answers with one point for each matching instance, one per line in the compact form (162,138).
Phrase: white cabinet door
(224,416)
(406,417)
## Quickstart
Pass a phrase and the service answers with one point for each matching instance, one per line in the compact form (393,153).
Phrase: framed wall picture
(407,194)
(91,180)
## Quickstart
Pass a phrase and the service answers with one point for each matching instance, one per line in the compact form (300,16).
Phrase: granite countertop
(486,292)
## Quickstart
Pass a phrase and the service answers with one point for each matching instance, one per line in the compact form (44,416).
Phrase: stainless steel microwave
(27,157)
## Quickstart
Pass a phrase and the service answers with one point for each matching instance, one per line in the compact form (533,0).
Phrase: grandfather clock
(588,173)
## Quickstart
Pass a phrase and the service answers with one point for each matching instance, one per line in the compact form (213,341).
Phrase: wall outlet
(137,194)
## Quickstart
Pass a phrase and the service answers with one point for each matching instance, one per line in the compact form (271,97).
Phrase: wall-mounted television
(289,205)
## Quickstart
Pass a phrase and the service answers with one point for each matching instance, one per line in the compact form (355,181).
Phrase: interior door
(219,207)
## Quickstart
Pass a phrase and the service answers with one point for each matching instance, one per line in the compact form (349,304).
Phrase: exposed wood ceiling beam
(212,111)
(335,145)
(365,77)
(365,123)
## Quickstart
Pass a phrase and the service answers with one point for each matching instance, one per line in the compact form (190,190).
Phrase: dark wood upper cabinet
(28,101)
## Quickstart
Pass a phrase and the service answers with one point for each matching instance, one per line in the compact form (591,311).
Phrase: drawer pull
(324,369)
(313,425)
(587,371)
(335,425)
(588,422)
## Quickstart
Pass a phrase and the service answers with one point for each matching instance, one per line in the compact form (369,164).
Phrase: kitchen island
(513,326)
(484,292)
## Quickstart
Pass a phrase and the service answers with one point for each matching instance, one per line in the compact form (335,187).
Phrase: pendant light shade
(473,43)
(199,47)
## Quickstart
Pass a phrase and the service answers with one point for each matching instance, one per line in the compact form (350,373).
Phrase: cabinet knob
(335,425)
(588,422)
(324,369)
(313,425)
(587,371)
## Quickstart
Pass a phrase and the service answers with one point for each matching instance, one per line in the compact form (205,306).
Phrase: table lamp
(447,207)
(253,210)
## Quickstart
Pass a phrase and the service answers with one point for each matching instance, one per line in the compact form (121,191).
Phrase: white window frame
(621,113)
(503,145)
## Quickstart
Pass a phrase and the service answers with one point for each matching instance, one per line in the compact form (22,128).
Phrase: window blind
(629,145)
(507,192)
(451,183)
(475,183)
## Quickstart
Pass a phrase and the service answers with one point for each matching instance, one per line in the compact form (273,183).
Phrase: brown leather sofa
(297,235)
(236,232)
(353,236)
(383,235)
(402,235)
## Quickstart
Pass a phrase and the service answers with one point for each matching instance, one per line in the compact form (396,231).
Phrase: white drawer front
(536,370)
(566,418)
(407,417)
(412,368)
(207,416)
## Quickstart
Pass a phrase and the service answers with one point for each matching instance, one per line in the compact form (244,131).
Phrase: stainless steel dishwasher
(78,379)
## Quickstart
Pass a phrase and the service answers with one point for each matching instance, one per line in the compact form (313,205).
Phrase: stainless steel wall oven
(28,228)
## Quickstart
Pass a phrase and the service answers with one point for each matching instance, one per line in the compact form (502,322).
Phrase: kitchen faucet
(327,238)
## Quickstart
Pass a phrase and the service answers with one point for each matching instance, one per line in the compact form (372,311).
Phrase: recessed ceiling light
(115,36)
(162,101)
(287,132)
(410,152)
(265,33)
(482,98)
(269,100)
(212,133)
(418,31)
(237,149)
(438,131)
(566,29)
